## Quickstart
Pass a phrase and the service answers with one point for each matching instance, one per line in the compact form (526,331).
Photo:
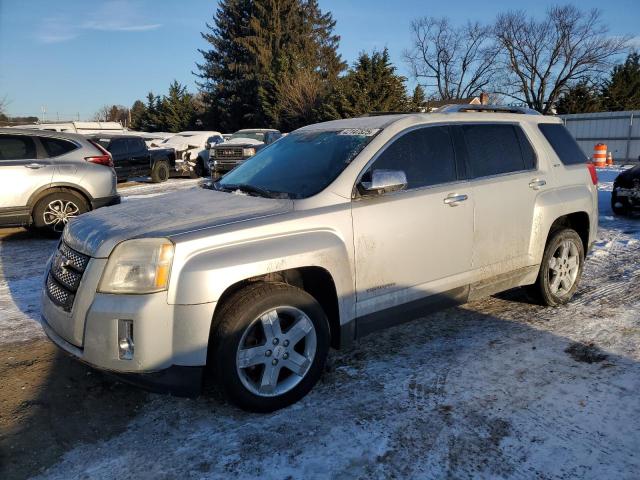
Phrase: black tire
(198,169)
(240,314)
(44,211)
(622,210)
(160,171)
(542,291)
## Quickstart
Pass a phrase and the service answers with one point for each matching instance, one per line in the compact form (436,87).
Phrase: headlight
(138,266)
(248,152)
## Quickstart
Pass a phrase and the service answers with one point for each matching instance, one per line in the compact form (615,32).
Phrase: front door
(417,242)
(138,156)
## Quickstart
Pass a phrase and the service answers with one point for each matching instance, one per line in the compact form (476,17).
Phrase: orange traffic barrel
(609,159)
(600,155)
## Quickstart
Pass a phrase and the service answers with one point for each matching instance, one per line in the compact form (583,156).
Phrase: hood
(96,233)
(241,141)
(626,178)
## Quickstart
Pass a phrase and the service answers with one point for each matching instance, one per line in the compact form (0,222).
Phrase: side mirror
(383,181)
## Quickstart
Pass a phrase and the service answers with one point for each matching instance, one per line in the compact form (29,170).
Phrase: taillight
(592,171)
(104,159)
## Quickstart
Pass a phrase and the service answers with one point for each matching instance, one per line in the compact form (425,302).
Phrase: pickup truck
(329,234)
(239,147)
(132,157)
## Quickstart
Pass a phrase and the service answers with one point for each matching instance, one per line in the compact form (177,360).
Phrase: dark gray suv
(47,178)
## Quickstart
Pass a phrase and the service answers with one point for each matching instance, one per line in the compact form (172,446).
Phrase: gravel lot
(498,388)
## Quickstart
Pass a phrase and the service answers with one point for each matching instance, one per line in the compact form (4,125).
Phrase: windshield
(300,164)
(253,135)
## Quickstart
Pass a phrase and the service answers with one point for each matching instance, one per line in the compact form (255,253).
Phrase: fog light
(125,339)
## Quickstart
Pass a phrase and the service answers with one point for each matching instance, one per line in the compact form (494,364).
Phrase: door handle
(454,199)
(34,166)
(537,183)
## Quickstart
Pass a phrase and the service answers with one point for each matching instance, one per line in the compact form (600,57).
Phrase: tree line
(275,63)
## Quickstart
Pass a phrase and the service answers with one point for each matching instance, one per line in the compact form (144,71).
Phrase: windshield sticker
(360,132)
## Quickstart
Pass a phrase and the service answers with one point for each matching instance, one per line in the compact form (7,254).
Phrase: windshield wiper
(251,189)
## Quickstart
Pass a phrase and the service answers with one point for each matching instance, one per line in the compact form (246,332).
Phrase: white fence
(619,130)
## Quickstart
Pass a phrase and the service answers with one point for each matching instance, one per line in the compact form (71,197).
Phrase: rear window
(56,146)
(135,144)
(563,143)
(494,149)
(17,147)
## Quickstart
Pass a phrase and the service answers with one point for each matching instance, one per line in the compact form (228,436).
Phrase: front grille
(231,153)
(65,275)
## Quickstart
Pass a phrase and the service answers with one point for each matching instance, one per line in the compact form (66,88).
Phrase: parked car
(190,146)
(48,178)
(331,233)
(625,196)
(239,147)
(132,157)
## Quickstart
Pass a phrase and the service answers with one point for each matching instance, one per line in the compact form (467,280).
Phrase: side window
(117,146)
(528,154)
(134,145)
(425,155)
(56,146)
(563,143)
(492,149)
(17,147)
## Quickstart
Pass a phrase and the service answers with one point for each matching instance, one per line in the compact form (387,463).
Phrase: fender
(552,205)
(204,276)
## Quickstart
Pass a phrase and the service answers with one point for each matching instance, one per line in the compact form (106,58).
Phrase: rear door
(505,180)
(139,156)
(117,147)
(22,172)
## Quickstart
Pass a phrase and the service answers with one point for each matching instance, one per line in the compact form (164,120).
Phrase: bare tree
(449,61)
(3,106)
(300,94)
(112,113)
(541,58)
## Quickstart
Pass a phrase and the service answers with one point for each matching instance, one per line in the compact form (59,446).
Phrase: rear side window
(563,143)
(56,146)
(17,147)
(494,149)
(425,155)
(117,146)
(135,144)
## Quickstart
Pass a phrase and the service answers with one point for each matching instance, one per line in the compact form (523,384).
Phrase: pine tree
(581,98)
(372,85)
(418,99)
(622,91)
(151,120)
(138,111)
(226,75)
(270,44)
(177,109)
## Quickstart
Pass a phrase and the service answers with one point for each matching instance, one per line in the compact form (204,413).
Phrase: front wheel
(270,345)
(561,268)
(620,206)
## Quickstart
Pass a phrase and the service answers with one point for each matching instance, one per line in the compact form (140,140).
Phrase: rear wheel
(561,268)
(269,346)
(52,213)
(160,171)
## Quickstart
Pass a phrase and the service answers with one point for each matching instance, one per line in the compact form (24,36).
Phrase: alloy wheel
(58,213)
(276,351)
(563,268)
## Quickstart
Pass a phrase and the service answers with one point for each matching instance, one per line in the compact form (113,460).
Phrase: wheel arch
(316,281)
(61,187)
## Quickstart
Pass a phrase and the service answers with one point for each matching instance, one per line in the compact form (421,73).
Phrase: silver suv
(47,178)
(335,231)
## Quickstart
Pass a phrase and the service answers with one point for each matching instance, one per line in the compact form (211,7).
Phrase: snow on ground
(24,255)
(499,388)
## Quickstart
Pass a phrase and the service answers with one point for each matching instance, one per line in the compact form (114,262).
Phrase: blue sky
(73,56)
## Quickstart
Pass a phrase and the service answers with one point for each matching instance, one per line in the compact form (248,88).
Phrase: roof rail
(486,108)
(381,114)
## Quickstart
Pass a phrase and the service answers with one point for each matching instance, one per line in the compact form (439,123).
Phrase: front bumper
(170,341)
(105,201)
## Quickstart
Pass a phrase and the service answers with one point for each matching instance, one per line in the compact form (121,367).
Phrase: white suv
(329,234)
